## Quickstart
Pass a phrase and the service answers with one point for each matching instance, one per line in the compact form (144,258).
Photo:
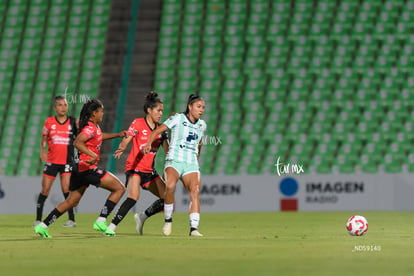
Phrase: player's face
(197,109)
(156,112)
(97,115)
(61,107)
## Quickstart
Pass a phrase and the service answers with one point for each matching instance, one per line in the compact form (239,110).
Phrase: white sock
(168,210)
(112,227)
(101,219)
(194,220)
(43,225)
(143,216)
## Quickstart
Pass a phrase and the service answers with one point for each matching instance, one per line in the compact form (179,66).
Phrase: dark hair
(191,99)
(151,101)
(87,109)
(60,97)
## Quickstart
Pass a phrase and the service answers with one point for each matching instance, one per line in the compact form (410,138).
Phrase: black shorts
(146,178)
(86,178)
(51,170)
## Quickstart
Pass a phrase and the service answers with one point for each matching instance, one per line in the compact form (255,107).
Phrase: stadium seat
(49,41)
(324,75)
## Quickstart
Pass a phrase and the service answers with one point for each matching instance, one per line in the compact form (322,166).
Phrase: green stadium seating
(31,58)
(326,83)
(335,81)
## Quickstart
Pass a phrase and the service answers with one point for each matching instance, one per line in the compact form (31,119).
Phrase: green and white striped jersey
(185,137)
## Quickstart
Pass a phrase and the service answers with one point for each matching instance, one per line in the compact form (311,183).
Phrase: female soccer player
(181,161)
(139,168)
(59,132)
(89,145)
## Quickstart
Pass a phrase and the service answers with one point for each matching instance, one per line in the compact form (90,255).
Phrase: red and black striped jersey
(94,142)
(60,137)
(137,160)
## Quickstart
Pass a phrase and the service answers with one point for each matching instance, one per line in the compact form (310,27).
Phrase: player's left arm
(80,144)
(106,136)
(200,144)
(166,146)
(165,142)
(122,146)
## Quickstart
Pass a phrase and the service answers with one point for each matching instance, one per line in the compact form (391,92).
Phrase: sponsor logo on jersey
(192,136)
(59,140)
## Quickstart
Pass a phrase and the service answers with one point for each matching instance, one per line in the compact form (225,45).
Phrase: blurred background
(322,83)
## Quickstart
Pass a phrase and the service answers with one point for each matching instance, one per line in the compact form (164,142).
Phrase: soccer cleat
(36,223)
(167,228)
(42,231)
(70,223)
(195,233)
(139,219)
(102,227)
(109,233)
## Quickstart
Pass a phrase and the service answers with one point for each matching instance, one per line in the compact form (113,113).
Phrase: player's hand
(147,149)
(43,156)
(123,134)
(92,160)
(119,152)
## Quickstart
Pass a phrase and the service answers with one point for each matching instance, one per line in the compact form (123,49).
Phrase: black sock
(123,210)
(107,209)
(156,207)
(39,206)
(70,211)
(52,217)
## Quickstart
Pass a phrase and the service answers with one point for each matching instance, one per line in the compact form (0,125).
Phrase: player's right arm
(43,153)
(122,146)
(45,135)
(80,144)
(152,136)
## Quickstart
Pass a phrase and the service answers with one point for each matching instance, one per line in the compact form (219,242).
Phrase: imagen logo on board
(288,188)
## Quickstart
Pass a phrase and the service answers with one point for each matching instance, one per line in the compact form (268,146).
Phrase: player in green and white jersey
(187,129)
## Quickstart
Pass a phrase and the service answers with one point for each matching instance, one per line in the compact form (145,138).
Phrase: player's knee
(72,202)
(170,187)
(194,190)
(46,190)
(121,189)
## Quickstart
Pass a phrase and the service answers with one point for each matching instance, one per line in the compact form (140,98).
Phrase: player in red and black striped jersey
(59,133)
(139,168)
(88,142)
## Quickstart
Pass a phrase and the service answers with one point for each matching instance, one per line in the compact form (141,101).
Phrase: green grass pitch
(279,243)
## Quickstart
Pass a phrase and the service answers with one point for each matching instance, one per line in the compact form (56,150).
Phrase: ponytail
(87,109)
(151,101)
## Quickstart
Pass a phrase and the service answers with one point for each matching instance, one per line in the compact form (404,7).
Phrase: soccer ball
(357,225)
